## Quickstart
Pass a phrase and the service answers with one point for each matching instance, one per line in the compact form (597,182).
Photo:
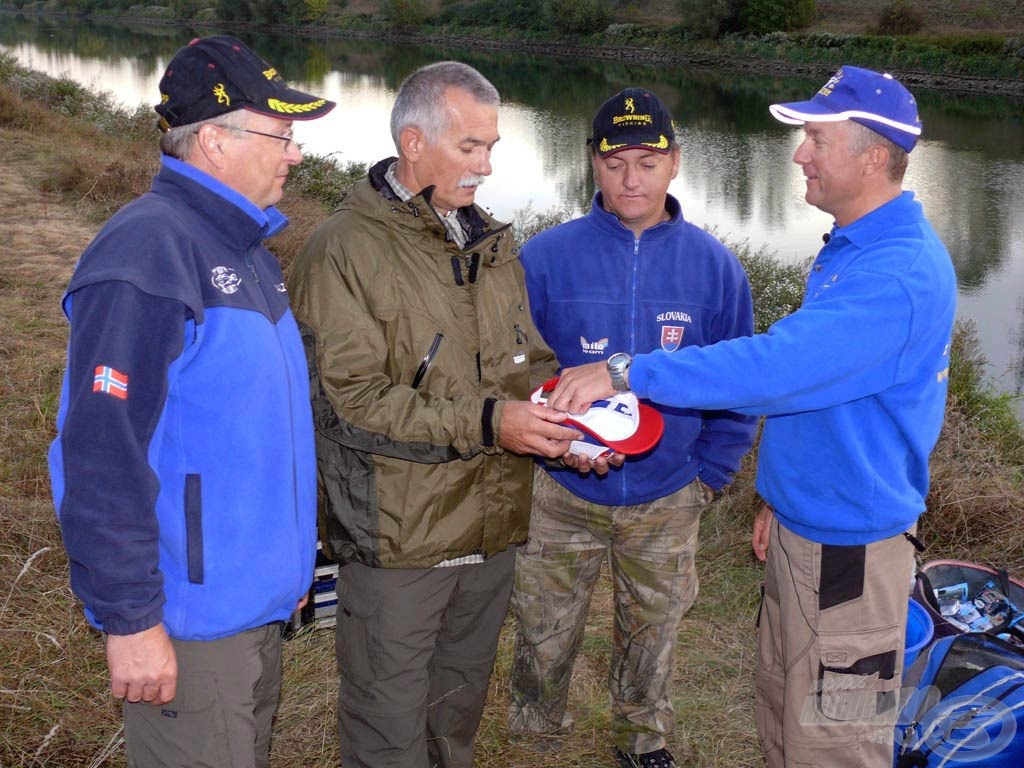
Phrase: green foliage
(970,391)
(760,16)
(900,18)
(186,9)
(577,17)
(510,14)
(320,177)
(709,18)
(315,10)
(231,10)
(405,14)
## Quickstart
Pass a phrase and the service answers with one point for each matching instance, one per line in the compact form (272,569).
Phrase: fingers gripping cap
(873,99)
(620,423)
(212,76)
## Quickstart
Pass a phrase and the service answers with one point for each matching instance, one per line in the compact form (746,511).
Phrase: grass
(63,174)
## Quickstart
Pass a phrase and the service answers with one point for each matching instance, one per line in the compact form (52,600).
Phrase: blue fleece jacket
(853,383)
(596,289)
(183,473)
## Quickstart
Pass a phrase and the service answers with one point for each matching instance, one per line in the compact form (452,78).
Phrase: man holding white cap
(853,385)
(631,276)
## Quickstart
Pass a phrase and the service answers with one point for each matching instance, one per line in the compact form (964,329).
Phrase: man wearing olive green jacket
(423,355)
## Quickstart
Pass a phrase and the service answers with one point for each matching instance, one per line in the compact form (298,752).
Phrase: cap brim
(648,432)
(293,105)
(800,112)
(646,436)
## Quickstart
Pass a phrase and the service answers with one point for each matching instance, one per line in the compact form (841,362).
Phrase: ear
(876,159)
(411,142)
(676,155)
(208,146)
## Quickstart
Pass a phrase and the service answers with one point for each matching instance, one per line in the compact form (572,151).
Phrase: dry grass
(54,708)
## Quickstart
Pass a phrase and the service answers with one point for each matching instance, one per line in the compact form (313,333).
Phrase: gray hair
(179,142)
(862,137)
(421,97)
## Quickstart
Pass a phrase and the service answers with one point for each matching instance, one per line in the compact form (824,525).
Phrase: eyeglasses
(286,138)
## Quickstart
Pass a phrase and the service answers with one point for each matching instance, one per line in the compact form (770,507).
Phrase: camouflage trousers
(651,549)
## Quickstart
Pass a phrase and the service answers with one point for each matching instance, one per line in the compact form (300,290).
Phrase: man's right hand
(533,428)
(142,666)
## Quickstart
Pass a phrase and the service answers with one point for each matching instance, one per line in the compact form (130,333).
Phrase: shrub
(709,18)
(577,17)
(405,14)
(900,18)
(760,16)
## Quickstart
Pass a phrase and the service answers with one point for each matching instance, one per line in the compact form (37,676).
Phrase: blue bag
(963,705)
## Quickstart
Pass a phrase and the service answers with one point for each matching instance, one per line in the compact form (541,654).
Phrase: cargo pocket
(358,631)
(857,673)
(188,730)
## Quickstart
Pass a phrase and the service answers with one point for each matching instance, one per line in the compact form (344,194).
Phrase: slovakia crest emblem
(671,337)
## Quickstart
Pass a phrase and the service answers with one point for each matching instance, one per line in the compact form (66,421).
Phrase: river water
(736,173)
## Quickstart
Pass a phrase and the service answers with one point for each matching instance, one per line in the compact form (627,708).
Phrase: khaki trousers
(221,714)
(415,651)
(830,651)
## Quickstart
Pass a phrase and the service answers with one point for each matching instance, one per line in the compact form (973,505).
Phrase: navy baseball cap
(632,119)
(873,99)
(212,76)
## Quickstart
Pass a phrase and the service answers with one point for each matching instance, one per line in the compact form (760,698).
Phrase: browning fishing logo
(270,74)
(222,95)
(630,106)
(293,109)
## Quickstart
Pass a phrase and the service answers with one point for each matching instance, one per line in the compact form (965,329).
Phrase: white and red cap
(620,424)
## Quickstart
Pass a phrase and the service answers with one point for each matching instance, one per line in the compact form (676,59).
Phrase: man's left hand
(585,464)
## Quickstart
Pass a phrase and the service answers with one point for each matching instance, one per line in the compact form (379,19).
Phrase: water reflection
(736,172)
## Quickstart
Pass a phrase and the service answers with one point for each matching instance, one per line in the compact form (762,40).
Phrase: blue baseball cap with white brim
(874,99)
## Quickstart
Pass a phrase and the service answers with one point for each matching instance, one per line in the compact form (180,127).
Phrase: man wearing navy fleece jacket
(853,385)
(184,473)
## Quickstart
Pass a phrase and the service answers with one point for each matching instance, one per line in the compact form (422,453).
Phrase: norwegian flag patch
(110,381)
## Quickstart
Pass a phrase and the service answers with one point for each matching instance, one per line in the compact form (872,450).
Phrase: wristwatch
(618,369)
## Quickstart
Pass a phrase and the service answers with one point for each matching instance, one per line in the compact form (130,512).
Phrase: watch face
(618,360)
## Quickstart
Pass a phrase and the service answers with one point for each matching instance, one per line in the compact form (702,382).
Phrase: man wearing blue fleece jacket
(631,275)
(853,385)
(183,473)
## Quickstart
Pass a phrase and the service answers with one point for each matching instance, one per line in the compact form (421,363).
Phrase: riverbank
(979,59)
(69,160)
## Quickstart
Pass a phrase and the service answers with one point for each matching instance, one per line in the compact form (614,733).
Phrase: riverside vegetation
(966,45)
(71,159)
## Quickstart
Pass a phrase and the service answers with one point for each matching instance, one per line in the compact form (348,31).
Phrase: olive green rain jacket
(413,346)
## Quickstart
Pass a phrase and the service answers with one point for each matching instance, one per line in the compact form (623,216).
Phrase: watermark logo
(969,728)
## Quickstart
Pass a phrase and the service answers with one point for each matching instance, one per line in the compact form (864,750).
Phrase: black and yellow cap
(213,76)
(632,119)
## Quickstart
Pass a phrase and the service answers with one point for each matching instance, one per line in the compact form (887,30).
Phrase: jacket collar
(473,221)
(610,224)
(865,230)
(243,221)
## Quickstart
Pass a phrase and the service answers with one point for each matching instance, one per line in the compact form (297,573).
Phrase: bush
(405,14)
(709,18)
(900,18)
(760,16)
(577,17)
